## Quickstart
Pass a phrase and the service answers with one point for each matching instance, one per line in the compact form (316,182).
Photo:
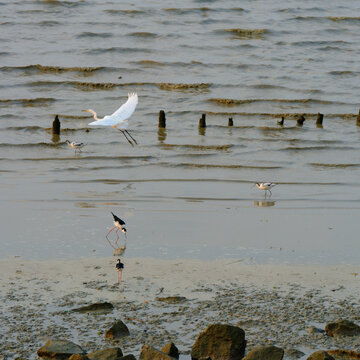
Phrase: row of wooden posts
(202,121)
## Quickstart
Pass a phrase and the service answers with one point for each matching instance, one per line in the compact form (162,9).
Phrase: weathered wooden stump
(319,119)
(56,126)
(300,120)
(202,121)
(230,122)
(162,119)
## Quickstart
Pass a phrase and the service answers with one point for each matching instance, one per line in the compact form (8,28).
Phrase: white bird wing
(127,109)
(106,121)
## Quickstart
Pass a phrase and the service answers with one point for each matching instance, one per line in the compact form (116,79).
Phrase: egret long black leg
(126,137)
(131,136)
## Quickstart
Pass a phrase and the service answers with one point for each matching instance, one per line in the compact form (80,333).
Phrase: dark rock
(97,307)
(358,119)
(294,353)
(230,122)
(320,355)
(59,349)
(344,354)
(118,330)
(265,353)
(281,122)
(171,350)
(128,357)
(149,353)
(342,328)
(219,341)
(106,354)
(172,299)
(78,357)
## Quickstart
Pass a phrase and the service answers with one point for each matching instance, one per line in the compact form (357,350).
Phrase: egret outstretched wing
(127,109)
(106,121)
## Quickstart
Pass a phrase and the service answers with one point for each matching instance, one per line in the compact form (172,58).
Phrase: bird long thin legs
(124,133)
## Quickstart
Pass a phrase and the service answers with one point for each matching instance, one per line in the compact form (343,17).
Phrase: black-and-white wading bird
(266,186)
(119,225)
(75,145)
(118,120)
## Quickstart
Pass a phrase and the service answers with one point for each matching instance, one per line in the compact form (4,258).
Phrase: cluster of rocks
(216,342)
(63,350)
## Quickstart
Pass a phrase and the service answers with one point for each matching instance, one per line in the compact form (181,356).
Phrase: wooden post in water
(230,122)
(56,126)
(300,120)
(358,119)
(319,119)
(162,119)
(202,121)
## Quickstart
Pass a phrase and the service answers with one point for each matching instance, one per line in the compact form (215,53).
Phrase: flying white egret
(75,145)
(118,119)
(265,186)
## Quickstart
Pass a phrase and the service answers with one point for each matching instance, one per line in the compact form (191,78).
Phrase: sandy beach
(274,304)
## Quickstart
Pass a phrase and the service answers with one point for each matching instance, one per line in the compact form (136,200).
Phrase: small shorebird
(118,120)
(265,186)
(119,225)
(75,145)
(119,267)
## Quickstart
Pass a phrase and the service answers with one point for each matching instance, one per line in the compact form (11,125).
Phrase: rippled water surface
(183,192)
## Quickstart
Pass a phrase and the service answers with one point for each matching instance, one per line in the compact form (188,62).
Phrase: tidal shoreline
(273,304)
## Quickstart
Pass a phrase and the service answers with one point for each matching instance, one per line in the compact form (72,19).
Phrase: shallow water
(182,192)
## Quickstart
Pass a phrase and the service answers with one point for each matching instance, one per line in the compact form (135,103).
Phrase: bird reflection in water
(264,203)
(120,251)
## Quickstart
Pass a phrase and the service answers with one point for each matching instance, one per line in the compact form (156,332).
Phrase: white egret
(75,145)
(118,119)
(266,186)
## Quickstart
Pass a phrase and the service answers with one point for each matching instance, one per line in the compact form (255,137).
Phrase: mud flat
(174,300)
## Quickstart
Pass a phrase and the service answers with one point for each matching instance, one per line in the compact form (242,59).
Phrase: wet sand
(274,304)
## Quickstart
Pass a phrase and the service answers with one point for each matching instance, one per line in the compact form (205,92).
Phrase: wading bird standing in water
(265,186)
(75,145)
(118,120)
(119,224)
